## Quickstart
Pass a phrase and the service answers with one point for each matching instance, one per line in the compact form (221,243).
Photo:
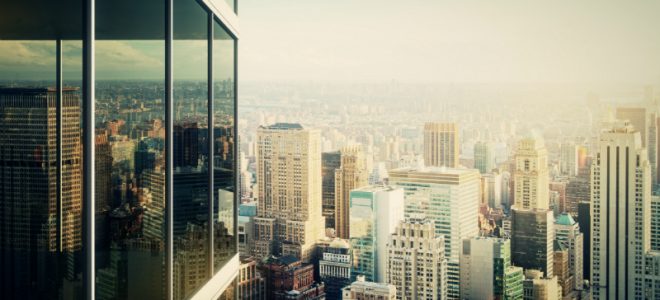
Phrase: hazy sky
(450,41)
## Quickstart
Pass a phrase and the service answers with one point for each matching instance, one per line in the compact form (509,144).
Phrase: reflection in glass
(190,146)
(130,150)
(223,140)
(40,206)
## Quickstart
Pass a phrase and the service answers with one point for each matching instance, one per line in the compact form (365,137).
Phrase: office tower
(330,162)
(374,213)
(492,190)
(620,213)
(486,270)
(251,285)
(351,175)
(657,148)
(531,175)
(483,157)
(450,198)
(289,219)
(186,145)
(637,118)
(361,289)
(532,232)
(578,189)
(568,234)
(416,261)
(558,188)
(40,223)
(441,145)
(107,166)
(568,159)
(335,268)
(379,174)
(652,275)
(652,146)
(289,278)
(538,287)
(561,270)
(655,223)
(584,221)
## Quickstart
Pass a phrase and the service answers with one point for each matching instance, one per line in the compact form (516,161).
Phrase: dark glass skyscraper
(117,149)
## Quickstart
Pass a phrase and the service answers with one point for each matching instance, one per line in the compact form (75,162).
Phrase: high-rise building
(652,275)
(363,290)
(655,223)
(536,286)
(568,159)
(483,157)
(441,145)
(289,219)
(375,212)
(450,198)
(416,261)
(289,278)
(652,146)
(487,272)
(577,190)
(492,189)
(561,270)
(637,118)
(531,175)
(88,146)
(532,223)
(330,162)
(568,234)
(584,220)
(251,285)
(351,175)
(40,203)
(620,213)
(335,268)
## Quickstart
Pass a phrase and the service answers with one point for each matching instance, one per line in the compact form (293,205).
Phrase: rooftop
(284,126)
(565,219)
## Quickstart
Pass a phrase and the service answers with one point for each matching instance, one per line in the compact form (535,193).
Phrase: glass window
(40,202)
(224,138)
(191,156)
(130,150)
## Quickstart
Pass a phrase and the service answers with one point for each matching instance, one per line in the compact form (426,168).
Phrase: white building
(375,211)
(621,214)
(450,198)
(416,261)
(363,290)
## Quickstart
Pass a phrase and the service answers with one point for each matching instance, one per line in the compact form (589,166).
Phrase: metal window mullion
(211,137)
(169,180)
(88,146)
(58,130)
(236,144)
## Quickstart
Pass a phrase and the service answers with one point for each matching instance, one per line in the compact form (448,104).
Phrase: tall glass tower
(117,149)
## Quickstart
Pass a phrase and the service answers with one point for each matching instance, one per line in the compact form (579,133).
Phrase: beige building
(531,184)
(351,175)
(289,219)
(441,144)
(537,287)
(365,290)
(416,261)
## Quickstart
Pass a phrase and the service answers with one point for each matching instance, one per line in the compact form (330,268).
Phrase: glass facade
(150,212)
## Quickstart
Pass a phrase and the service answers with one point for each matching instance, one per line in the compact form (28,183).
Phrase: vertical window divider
(58,130)
(88,149)
(235,147)
(169,121)
(211,150)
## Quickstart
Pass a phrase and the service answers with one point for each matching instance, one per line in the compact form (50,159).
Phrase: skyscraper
(375,212)
(636,116)
(620,213)
(531,175)
(289,219)
(335,268)
(416,261)
(487,272)
(330,161)
(351,175)
(568,234)
(483,157)
(39,223)
(532,222)
(449,197)
(441,145)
